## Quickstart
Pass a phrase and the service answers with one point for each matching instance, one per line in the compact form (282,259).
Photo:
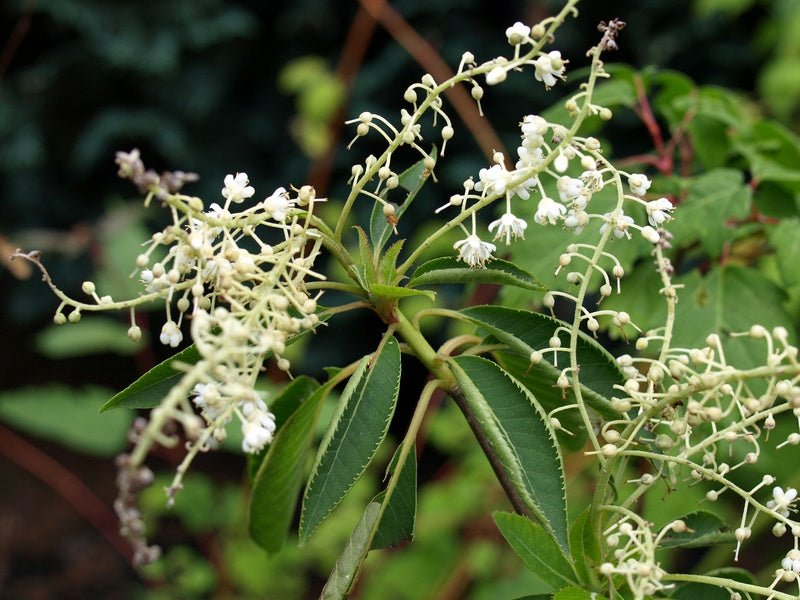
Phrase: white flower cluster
(539,157)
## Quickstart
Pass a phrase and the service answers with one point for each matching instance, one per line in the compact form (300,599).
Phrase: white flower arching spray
(681,412)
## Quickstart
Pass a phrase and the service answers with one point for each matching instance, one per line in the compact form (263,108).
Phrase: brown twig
(67,485)
(430,60)
(350,60)
(15,39)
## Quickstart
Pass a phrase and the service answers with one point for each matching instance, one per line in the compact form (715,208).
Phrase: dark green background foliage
(217,87)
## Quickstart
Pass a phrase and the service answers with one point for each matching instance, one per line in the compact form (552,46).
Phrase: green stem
(723,582)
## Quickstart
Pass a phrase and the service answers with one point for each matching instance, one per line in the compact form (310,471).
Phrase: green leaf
(526,331)
(540,380)
(786,242)
(705,529)
(520,434)
(355,551)
(712,200)
(575,593)
(692,591)
(387,268)
(399,516)
(360,425)
(449,269)
(68,416)
(365,252)
(277,482)
(283,406)
(585,546)
(536,548)
(378,290)
(89,336)
(151,388)
(411,180)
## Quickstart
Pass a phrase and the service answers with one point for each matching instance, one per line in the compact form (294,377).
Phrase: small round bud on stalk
(88,288)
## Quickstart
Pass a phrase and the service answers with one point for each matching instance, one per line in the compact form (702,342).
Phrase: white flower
(549,211)
(576,220)
(237,188)
(650,234)
(781,501)
(473,251)
(257,432)
(508,226)
(561,163)
(568,188)
(792,561)
(620,223)
(658,211)
(496,75)
(277,204)
(533,125)
(171,335)
(639,184)
(493,181)
(517,33)
(529,158)
(548,67)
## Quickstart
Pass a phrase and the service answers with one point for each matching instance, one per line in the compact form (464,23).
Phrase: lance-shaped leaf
(449,269)
(521,437)
(525,331)
(150,389)
(366,408)
(536,548)
(355,551)
(576,593)
(277,482)
(400,513)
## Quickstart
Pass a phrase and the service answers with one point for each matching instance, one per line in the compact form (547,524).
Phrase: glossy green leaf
(712,200)
(704,529)
(526,331)
(283,406)
(151,388)
(277,482)
(355,551)
(360,425)
(411,180)
(584,545)
(449,269)
(693,591)
(537,549)
(399,516)
(520,434)
(68,416)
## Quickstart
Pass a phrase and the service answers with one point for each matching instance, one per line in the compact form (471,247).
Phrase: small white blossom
(237,188)
(576,220)
(257,431)
(517,33)
(569,188)
(548,67)
(496,75)
(791,561)
(561,163)
(473,251)
(549,211)
(782,500)
(620,223)
(658,211)
(639,184)
(650,234)
(171,335)
(277,204)
(508,226)
(493,181)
